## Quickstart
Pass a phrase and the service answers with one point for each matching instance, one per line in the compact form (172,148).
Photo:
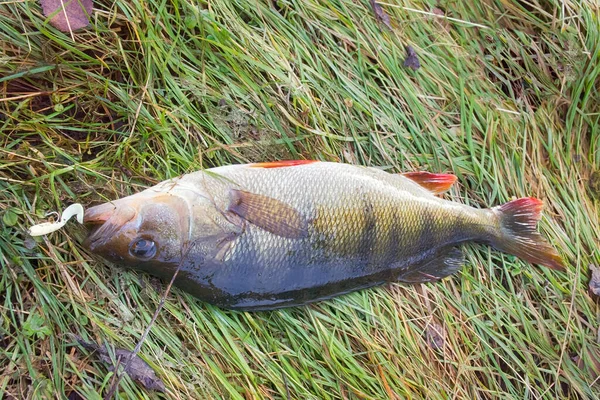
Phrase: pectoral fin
(444,263)
(269,214)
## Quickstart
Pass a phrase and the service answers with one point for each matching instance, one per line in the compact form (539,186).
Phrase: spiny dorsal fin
(269,214)
(435,183)
(281,164)
(444,263)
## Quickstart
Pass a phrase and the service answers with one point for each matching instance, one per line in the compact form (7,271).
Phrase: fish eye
(142,248)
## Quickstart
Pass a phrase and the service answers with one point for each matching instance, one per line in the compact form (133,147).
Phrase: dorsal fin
(435,183)
(280,164)
(268,213)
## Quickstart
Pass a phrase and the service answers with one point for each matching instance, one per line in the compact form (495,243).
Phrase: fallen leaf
(594,184)
(437,11)
(594,284)
(435,335)
(442,21)
(75,396)
(67,15)
(137,369)
(589,360)
(411,61)
(381,15)
(29,243)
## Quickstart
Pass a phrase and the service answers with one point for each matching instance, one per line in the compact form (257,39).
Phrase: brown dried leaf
(435,335)
(594,184)
(588,359)
(75,396)
(381,15)
(411,61)
(442,21)
(137,369)
(437,11)
(67,15)
(594,284)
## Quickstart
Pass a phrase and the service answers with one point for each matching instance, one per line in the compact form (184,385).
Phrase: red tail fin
(518,221)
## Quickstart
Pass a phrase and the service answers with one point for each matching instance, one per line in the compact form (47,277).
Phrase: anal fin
(444,263)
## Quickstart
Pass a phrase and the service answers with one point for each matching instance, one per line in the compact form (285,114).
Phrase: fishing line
(118,376)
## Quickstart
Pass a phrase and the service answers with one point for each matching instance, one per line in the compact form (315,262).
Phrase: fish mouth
(107,219)
(99,214)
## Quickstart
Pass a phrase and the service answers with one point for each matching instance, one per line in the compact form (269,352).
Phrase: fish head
(147,230)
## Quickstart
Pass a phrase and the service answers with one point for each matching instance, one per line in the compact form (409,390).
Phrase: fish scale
(269,235)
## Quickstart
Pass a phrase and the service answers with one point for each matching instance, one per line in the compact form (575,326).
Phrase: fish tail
(518,234)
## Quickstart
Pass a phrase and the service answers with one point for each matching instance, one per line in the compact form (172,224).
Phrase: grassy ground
(506,98)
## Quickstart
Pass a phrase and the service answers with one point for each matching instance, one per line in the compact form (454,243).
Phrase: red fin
(519,237)
(279,164)
(435,183)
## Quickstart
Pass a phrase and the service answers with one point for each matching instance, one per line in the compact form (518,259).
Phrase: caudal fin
(518,221)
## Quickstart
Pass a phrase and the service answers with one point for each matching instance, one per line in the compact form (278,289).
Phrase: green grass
(507,98)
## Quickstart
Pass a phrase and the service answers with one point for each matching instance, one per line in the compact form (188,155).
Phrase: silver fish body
(263,236)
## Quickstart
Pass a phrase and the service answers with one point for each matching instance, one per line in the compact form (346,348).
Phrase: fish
(270,235)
